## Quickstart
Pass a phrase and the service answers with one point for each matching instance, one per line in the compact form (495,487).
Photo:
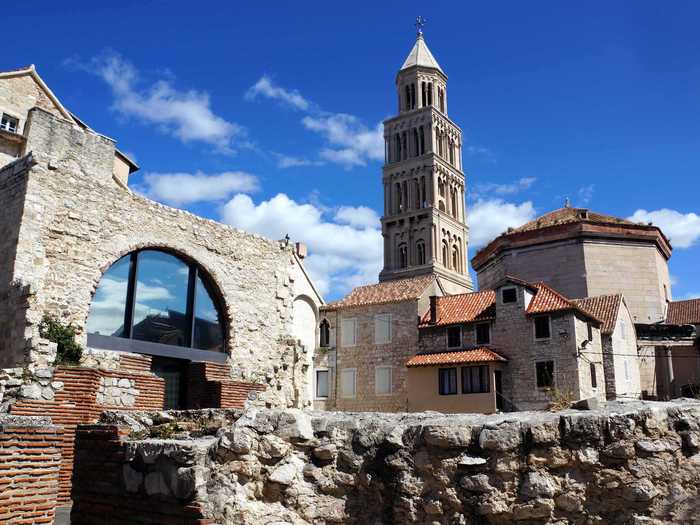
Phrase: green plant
(68,351)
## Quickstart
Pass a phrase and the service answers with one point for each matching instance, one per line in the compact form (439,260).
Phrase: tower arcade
(424,223)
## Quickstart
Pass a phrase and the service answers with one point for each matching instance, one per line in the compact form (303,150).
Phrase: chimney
(301,250)
(433,309)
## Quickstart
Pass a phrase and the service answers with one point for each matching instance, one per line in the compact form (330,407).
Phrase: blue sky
(266,115)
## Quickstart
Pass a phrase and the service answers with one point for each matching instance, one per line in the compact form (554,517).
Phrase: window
(347,382)
(623,329)
(542,328)
(627,369)
(594,379)
(349,329)
(545,374)
(483,334)
(420,252)
(154,296)
(325,333)
(403,256)
(382,380)
(454,337)
(447,378)
(445,254)
(321,384)
(590,332)
(509,295)
(382,329)
(475,379)
(456,266)
(9,123)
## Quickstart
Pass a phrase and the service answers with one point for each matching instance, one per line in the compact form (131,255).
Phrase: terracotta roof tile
(568,216)
(604,307)
(548,300)
(463,308)
(683,312)
(386,292)
(474,355)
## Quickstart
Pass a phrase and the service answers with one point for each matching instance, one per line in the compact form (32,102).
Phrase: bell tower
(424,223)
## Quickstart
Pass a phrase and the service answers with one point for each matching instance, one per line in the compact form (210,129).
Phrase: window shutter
(348,382)
(348,335)
(382,328)
(382,380)
(322,383)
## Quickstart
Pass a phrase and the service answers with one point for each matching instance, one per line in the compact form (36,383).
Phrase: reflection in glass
(109,304)
(208,334)
(160,305)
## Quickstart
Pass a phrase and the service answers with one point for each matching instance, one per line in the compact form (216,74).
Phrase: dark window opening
(590,332)
(325,334)
(542,327)
(454,337)
(545,374)
(509,295)
(448,381)
(483,334)
(475,379)
(594,378)
(174,374)
(156,297)
(9,123)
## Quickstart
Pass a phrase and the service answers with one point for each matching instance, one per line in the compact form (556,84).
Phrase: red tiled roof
(386,292)
(683,312)
(604,307)
(463,308)
(568,216)
(475,355)
(547,300)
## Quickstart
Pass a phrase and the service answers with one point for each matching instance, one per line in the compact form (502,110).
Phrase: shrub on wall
(68,351)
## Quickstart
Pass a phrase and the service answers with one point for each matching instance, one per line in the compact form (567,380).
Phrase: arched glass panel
(208,334)
(160,307)
(156,297)
(109,304)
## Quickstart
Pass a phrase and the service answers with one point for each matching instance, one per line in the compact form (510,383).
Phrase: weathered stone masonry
(65,222)
(631,463)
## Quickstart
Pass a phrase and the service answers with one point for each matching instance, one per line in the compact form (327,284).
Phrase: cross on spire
(420,22)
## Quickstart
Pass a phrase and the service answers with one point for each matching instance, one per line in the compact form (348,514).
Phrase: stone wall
(631,463)
(366,356)
(30,456)
(66,222)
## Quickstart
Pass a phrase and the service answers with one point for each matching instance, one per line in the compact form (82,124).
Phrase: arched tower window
(422,140)
(442,99)
(454,203)
(439,141)
(424,195)
(399,203)
(424,98)
(416,143)
(445,255)
(430,93)
(455,259)
(420,252)
(416,194)
(156,297)
(413,96)
(403,256)
(407,105)
(325,334)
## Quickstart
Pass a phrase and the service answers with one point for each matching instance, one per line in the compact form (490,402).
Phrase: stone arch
(305,320)
(182,252)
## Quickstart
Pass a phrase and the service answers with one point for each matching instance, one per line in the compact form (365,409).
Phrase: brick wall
(30,453)
(101,494)
(210,386)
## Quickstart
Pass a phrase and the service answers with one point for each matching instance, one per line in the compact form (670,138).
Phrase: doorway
(174,373)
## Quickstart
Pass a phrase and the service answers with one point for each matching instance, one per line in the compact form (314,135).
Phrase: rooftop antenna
(420,22)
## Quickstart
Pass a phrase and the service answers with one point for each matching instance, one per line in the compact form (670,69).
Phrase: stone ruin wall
(64,222)
(631,463)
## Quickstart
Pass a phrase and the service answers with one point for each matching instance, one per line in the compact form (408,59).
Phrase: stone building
(424,223)
(585,254)
(685,380)
(519,346)
(621,361)
(366,339)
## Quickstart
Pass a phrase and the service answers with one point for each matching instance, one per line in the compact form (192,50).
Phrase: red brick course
(29,468)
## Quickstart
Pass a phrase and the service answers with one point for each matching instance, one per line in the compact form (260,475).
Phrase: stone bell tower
(424,223)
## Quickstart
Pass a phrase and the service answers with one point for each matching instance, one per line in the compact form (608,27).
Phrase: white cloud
(491,217)
(186,115)
(265,87)
(682,229)
(186,188)
(339,254)
(353,143)
(360,216)
(507,189)
(585,195)
(289,161)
